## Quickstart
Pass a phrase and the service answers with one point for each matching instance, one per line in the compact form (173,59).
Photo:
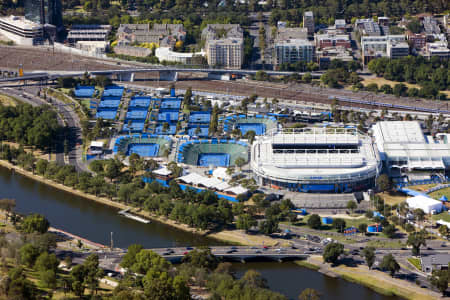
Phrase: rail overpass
(169,74)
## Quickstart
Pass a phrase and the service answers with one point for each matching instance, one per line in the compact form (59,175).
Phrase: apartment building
(308,22)
(392,46)
(294,50)
(418,40)
(224,45)
(332,40)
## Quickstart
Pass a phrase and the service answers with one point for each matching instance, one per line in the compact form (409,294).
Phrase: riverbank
(228,236)
(376,280)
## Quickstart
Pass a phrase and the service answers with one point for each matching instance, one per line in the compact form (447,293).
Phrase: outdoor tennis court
(140,102)
(200,117)
(135,126)
(170,104)
(84,91)
(144,150)
(106,114)
(113,91)
(258,128)
(215,159)
(168,116)
(193,131)
(137,114)
(109,103)
(172,129)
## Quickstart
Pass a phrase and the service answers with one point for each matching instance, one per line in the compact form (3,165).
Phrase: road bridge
(165,73)
(236,253)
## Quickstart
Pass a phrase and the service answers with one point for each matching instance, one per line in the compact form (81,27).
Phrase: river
(95,221)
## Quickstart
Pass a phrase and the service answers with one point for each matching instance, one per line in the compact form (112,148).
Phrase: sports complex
(260,124)
(316,160)
(142,144)
(206,153)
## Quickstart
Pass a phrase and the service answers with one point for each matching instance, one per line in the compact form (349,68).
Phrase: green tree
(201,258)
(188,96)
(129,259)
(440,279)
(339,224)
(383,183)
(28,254)
(416,240)
(389,231)
(93,272)
(239,162)
(390,264)
(351,205)
(309,294)
(253,279)
(314,221)
(332,251)
(362,228)
(250,136)
(369,256)
(245,222)
(35,223)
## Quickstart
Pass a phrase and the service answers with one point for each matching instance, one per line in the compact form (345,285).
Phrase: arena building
(409,155)
(316,160)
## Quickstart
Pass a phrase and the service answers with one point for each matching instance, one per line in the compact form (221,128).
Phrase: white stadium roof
(403,141)
(315,154)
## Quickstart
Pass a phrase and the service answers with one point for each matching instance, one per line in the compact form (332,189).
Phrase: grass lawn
(349,222)
(385,244)
(393,198)
(7,100)
(86,103)
(382,283)
(442,216)
(380,81)
(438,194)
(422,188)
(415,262)
(304,263)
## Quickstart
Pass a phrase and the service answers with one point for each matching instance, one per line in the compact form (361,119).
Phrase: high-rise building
(35,11)
(308,22)
(44,12)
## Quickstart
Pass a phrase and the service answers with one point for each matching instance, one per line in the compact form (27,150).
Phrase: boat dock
(125,213)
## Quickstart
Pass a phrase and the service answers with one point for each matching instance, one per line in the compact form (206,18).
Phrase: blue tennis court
(193,131)
(135,126)
(140,102)
(258,128)
(172,129)
(109,103)
(168,116)
(200,117)
(113,91)
(106,114)
(171,104)
(144,150)
(215,159)
(137,114)
(84,91)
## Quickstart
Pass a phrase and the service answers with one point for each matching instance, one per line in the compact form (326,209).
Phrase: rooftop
(436,259)
(21,22)
(284,33)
